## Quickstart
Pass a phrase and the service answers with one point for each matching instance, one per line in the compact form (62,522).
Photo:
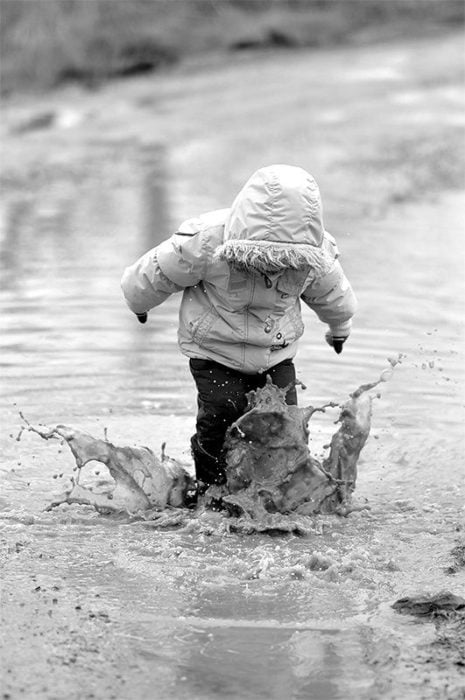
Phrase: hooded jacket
(243,272)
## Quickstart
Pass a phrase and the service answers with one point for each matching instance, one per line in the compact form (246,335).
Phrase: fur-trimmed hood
(276,223)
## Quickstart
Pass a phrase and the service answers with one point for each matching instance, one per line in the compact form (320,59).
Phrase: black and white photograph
(232,350)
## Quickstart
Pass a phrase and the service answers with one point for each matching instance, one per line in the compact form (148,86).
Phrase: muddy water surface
(102,607)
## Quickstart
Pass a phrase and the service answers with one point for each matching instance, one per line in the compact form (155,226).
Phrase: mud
(269,467)
(141,480)
(441,604)
(458,556)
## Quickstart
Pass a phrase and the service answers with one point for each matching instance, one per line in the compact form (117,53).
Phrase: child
(243,272)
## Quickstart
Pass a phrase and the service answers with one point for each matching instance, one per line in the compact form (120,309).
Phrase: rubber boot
(208,468)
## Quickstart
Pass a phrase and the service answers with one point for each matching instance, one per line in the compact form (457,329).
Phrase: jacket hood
(276,223)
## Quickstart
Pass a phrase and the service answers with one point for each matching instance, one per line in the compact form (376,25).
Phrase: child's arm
(170,267)
(332,299)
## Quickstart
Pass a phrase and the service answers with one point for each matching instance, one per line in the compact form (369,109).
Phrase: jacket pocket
(292,283)
(200,328)
(289,329)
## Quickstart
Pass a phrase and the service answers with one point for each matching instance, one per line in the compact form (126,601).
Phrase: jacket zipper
(247,318)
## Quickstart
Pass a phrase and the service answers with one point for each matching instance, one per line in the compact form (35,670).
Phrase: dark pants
(222,400)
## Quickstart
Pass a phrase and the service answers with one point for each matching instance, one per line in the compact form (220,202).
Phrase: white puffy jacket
(243,272)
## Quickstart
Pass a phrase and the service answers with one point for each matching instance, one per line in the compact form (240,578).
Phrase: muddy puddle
(105,607)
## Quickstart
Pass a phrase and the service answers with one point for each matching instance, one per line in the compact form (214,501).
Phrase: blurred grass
(45,43)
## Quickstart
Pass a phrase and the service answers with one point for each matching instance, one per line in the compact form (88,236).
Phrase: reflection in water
(155,181)
(16,228)
(329,667)
(68,335)
(266,642)
(265,661)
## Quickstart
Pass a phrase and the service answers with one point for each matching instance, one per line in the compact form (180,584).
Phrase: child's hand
(336,341)
(142,318)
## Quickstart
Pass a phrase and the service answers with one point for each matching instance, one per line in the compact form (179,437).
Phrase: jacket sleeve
(332,299)
(170,267)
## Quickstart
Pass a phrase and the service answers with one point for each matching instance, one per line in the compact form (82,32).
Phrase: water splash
(142,480)
(273,482)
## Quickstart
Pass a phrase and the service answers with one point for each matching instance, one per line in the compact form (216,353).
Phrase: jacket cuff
(341,329)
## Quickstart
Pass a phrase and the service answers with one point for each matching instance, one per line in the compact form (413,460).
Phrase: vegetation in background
(47,42)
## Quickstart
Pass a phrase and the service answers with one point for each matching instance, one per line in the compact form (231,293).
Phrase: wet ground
(106,608)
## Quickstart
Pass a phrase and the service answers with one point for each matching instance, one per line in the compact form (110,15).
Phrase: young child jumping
(243,272)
